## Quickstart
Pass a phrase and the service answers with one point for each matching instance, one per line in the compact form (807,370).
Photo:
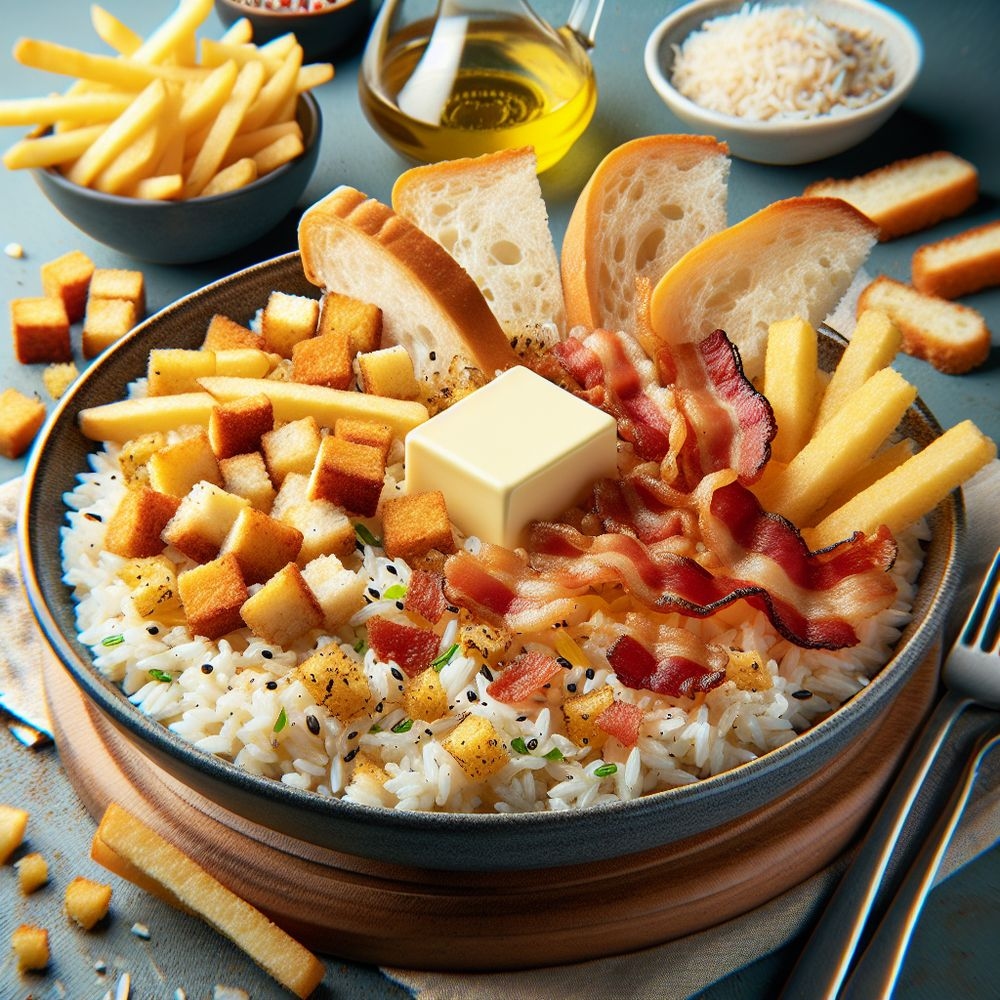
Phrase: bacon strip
(675,676)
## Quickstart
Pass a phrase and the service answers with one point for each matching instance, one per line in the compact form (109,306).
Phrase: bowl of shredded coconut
(784,83)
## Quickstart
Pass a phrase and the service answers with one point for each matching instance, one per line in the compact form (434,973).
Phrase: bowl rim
(245,10)
(659,78)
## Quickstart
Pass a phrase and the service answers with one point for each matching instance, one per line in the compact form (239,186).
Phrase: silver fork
(971,674)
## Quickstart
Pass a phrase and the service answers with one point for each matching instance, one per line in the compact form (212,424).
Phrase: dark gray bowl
(419,840)
(187,232)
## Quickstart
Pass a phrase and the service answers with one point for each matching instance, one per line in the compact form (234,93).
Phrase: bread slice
(908,195)
(357,246)
(795,257)
(488,213)
(960,264)
(647,203)
(954,338)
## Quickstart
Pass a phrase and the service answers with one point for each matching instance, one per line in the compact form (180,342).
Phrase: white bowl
(788,141)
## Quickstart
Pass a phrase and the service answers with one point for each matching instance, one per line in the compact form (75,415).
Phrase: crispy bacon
(410,647)
(525,675)
(672,675)
(425,595)
(621,719)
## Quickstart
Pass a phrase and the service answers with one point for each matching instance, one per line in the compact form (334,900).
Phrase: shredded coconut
(780,63)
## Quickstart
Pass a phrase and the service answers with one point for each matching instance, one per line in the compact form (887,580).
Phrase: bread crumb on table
(31,946)
(87,901)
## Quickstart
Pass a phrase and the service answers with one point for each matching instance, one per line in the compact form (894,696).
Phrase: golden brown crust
(965,270)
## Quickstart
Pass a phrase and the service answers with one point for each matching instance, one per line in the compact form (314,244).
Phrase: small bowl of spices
(784,83)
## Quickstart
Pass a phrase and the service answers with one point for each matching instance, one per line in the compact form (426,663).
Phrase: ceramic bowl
(788,141)
(187,232)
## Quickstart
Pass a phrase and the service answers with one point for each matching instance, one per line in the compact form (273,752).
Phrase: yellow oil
(511,90)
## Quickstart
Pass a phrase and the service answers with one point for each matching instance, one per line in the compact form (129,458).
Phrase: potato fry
(51,150)
(236,175)
(163,187)
(790,384)
(314,75)
(88,108)
(279,46)
(175,36)
(275,93)
(250,143)
(277,154)
(203,102)
(215,53)
(134,162)
(239,32)
(113,32)
(128,418)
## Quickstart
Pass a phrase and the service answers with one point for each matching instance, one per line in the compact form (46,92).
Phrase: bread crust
(960,264)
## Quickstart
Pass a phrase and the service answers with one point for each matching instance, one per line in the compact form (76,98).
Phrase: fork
(971,675)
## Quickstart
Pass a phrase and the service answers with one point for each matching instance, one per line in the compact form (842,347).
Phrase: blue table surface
(954,106)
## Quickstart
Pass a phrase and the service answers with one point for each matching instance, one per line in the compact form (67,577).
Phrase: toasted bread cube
(581,711)
(31,946)
(58,377)
(478,639)
(41,330)
(477,747)
(153,581)
(261,544)
(339,591)
(388,372)
(136,453)
(106,322)
(202,520)
(414,524)
(294,490)
(284,608)
(135,529)
(292,447)
(425,697)
(13,823)
(21,417)
(368,770)
(360,321)
(212,595)
(748,670)
(323,360)
(246,476)
(286,319)
(87,901)
(336,681)
(326,529)
(173,370)
(225,334)
(369,432)
(68,278)
(236,428)
(350,475)
(177,467)
(32,872)
(118,283)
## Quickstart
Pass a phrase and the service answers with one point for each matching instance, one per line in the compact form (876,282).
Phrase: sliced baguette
(908,195)
(793,258)
(960,264)
(488,213)
(648,202)
(357,246)
(954,338)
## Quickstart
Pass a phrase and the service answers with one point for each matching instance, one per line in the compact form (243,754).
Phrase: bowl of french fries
(174,148)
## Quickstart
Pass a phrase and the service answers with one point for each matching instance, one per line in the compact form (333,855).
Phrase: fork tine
(982,627)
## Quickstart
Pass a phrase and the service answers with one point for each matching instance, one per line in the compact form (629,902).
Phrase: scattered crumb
(21,417)
(14,250)
(58,377)
(229,993)
(141,931)
(32,872)
(87,902)
(31,945)
(13,823)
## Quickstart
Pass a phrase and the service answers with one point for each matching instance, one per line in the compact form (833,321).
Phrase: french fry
(239,32)
(275,93)
(790,365)
(313,75)
(215,53)
(164,187)
(249,143)
(175,36)
(128,418)
(279,46)
(133,162)
(277,154)
(236,175)
(203,102)
(88,108)
(50,150)
(113,32)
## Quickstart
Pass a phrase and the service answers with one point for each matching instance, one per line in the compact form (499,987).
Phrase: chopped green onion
(112,640)
(376,728)
(440,662)
(403,727)
(605,770)
(554,754)
(281,721)
(518,744)
(393,593)
(366,537)
(361,645)
(160,675)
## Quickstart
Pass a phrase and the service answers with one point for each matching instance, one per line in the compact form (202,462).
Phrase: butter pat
(518,450)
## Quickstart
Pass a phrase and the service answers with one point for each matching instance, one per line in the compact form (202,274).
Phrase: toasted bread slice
(795,257)
(959,265)
(488,213)
(357,246)
(648,202)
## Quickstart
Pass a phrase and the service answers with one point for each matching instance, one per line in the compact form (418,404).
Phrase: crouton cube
(360,321)
(106,322)
(153,582)
(294,490)
(323,360)
(261,544)
(581,711)
(425,697)
(31,946)
(336,681)
(368,770)
(246,476)
(339,591)
(481,640)
(369,432)
(134,530)
(224,334)
(118,283)
(286,319)
(326,529)
(57,378)
(350,475)
(212,595)
(87,901)
(21,417)
(388,372)
(68,278)
(13,823)
(477,747)
(236,427)
(748,670)
(41,330)
(415,523)
(202,520)
(177,467)
(284,608)
(292,447)
(32,872)
(137,451)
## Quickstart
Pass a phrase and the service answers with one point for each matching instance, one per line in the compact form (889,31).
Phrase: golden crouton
(292,447)
(31,946)
(414,523)
(350,475)
(286,319)
(225,334)
(478,639)
(173,370)
(212,595)
(340,592)
(134,530)
(323,360)
(58,377)
(202,521)
(360,321)
(284,608)
(425,697)
(294,490)
(367,769)
(177,467)
(336,681)
(236,427)
(117,283)
(246,476)
(13,823)
(369,432)
(87,902)
(388,372)
(106,322)
(32,872)
(477,747)
(68,278)
(20,418)
(581,711)
(261,544)
(137,451)
(153,582)
(748,671)
(41,330)
(326,529)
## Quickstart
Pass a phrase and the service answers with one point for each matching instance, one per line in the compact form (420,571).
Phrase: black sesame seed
(153,630)
(486,672)
(267,654)
(521,718)
(451,609)
(472,696)
(207,668)
(802,694)
(348,757)
(352,735)
(532,744)
(312,724)
(399,605)
(570,687)
(94,517)
(392,569)
(590,673)
(271,685)
(429,732)
(433,355)
(563,662)
(380,707)
(396,672)
(374,592)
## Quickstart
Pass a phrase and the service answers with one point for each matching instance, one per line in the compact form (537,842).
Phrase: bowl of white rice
(781,82)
